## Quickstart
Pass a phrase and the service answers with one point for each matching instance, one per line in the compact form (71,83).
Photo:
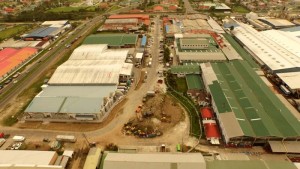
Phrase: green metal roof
(194,41)
(258,111)
(249,164)
(186,69)
(219,97)
(211,46)
(194,82)
(111,39)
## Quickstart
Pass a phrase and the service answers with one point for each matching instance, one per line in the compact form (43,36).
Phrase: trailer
(66,138)
(19,138)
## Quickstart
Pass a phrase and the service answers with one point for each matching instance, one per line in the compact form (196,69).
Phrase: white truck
(19,138)
(66,138)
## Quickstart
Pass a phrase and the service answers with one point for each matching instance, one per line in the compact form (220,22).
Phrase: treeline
(29,16)
(41,13)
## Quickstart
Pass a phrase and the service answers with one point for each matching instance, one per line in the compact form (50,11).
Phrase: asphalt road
(188,7)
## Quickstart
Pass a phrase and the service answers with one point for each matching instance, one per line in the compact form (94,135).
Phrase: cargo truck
(66,138)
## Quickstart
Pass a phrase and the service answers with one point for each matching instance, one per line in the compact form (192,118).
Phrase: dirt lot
(82,127)
(156,116)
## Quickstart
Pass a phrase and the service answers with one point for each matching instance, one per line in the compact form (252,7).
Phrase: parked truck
(66,138)
(19,138)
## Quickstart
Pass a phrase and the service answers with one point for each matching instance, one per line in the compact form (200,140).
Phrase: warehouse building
(197,48)
(49,30)
(276,23)
(249,164)
(186,161)
(113,40)
(276,51)
(247,110)
(84,88)
(11,59)
(142,19)
(25,159)
(183,70)
(154,160)
(120,25)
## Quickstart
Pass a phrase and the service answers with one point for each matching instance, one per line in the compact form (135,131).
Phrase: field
(240,9)
(12,31)
(181,85)
(73,9)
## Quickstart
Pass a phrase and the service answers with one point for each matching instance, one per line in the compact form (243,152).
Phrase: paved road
(188,7)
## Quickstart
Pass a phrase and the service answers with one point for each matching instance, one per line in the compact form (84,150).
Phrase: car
(7,81)
(49,49)
(15,81)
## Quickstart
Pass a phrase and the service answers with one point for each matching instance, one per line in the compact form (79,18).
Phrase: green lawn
(181,85)
(240,9)
(73,9)
(115,7)
(10,32)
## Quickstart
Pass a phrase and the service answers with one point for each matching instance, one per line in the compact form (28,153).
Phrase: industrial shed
(182,70)
(154,160)
(93,65)
(84,88)
(73,102)
(41,33)
(247,110)
(278,51)
(113,40)
(28,159)
(277,23)
(197,48)
(249,164)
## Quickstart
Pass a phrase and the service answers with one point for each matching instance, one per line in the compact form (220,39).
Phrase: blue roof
(144,40)
(41,32)
(167,28)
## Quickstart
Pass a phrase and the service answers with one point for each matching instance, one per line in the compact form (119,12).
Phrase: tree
(166,54)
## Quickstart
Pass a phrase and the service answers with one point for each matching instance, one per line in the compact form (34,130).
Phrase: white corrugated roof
(26,157)
(292,79)
(271,53)
(60,22)
(92,64)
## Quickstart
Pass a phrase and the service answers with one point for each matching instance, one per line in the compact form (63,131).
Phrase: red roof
(139,16)
(158,8)
(9,10)
(206,113)
(11,58)
(211,130)
(173,7)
